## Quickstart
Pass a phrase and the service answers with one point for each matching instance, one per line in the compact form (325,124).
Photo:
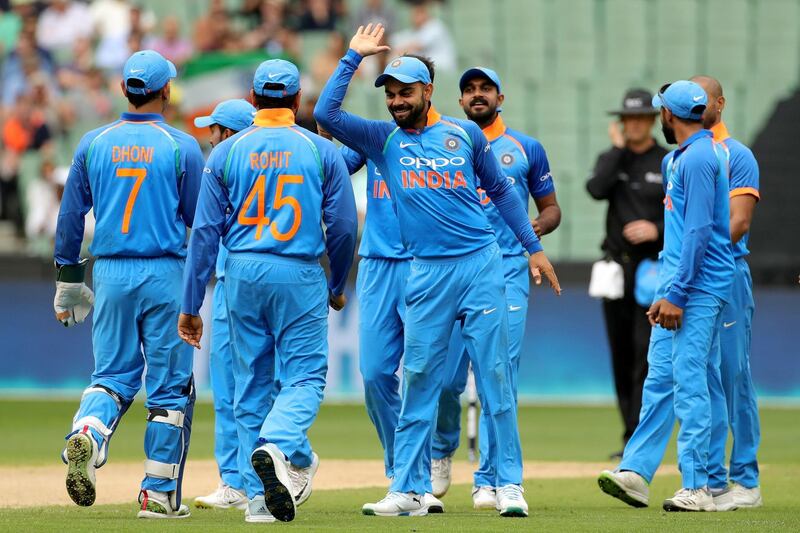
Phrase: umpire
(628,176)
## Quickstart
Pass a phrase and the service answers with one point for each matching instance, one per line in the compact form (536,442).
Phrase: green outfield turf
(33,435)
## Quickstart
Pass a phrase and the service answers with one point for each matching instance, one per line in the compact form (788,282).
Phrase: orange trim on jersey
(495,129)
(274,118)
(741,191)
(720,132)
(433,116)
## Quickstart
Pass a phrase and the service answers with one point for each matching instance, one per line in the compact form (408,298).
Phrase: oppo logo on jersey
(434,164)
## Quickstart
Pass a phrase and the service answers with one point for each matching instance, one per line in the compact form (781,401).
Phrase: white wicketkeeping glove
(73,300)
(72,303)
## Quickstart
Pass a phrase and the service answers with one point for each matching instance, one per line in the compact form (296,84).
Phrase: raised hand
(539,264)
(367,40)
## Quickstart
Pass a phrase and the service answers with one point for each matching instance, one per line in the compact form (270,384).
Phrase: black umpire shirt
(633,185)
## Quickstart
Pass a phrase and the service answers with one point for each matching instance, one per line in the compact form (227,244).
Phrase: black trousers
(628,338)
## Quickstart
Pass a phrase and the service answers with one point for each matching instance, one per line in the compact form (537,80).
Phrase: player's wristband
(72,273)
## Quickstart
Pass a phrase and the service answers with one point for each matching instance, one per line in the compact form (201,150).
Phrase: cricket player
(695,274)
(432,166)
(737,319)
(525,165)
(267,191)
(141,177)
(227,119)
(382,275)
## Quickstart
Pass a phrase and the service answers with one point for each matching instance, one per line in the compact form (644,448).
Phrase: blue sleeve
(744,172)
(192,171)
(360,134)
(340,217)
(500,191)
(352,159)
(75,203)
(540,181)
(699,176)
(209,223)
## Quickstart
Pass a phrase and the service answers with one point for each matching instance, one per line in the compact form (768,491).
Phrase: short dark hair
(269,102)
(138,100)
(427,61)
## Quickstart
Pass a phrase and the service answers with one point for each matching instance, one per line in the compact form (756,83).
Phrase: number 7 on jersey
(139,174)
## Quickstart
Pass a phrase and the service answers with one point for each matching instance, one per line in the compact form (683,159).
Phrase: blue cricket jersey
(697,252)
(268,189)
(142,178)
(525,164)
(432,174)
(744,176)
(380,237)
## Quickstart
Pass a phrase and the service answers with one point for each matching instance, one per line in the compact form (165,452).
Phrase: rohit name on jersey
(428,173)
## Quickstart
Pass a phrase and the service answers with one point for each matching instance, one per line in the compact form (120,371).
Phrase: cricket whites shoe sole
(81,457)
(272,468)
(627,486)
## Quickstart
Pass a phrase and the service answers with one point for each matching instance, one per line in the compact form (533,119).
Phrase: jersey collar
(141,117)
(495,130)
(698,135)
(274,118)
(720,131)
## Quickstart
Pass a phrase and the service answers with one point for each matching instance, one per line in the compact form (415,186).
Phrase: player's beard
(669,134)
(480,117)
(410,120)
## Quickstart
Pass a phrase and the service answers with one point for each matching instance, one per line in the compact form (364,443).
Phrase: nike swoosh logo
(271,76)
(406,145)
(698,98)
(136,71)
(514,307)
(728,324)
(487,311)
(299,492)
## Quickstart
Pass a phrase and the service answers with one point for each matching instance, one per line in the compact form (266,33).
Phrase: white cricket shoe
(225,497)
(737,496)
(81,455)
(272,468)
(690,500)
(484,498)
(626,485)
(302,478)
(511,502)
(441,474)
(433,504)
(256,511)
(723,499)
(397,504)
(156,504)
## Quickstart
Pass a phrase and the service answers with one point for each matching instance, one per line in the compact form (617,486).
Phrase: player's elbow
(323,116)
(739,226)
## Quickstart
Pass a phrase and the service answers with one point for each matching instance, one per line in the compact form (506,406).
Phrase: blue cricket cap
(480,72)
(685,99)
(405,70)
(150,70)
(235,115)
(276,78)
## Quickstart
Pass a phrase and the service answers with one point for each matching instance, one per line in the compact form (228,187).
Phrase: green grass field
(549,433)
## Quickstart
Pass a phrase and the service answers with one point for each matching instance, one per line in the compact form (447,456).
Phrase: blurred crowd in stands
(61,67)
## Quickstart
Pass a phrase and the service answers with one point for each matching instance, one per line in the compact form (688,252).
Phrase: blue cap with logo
(405,70)
(276,78)
(480,72)
(685,99)
(149,70)
(235,115)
